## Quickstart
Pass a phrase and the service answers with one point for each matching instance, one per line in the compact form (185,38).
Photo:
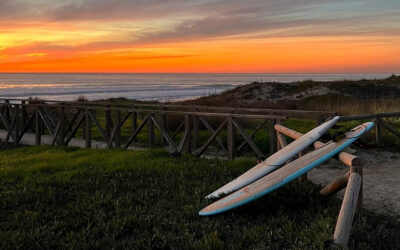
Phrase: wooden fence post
(108,121)
(16,125)
(188,128)
(150,126)
(88,129)
(119,128)
(378,129)
(7,111)
(195,131)
(272,136)
(164,124)
(24,113)
(38,127)
(61,133)
(231,139)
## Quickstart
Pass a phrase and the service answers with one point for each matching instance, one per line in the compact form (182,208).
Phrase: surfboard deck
(276,160)
(286,174)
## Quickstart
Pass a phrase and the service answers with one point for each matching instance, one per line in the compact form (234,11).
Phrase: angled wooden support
(253,132)
(80,120)
(348,209)
(201,150)
(212,131)
(247,138)
(165,135)
(178,129)
(55,133)
(98,126)
(335,186)
(88,129)
(116,132)
(135,133)
(71,123)
(164,124)
(46,122)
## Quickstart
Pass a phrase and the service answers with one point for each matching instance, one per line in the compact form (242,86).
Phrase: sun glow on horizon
(238,40)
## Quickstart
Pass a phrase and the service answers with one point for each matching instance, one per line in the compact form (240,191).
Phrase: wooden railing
(58,123)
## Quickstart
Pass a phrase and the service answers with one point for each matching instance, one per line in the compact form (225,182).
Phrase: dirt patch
(381,178)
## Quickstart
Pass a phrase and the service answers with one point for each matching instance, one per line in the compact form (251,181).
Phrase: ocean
(161,87)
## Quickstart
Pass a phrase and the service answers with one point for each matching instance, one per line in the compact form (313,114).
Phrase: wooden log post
(272,137)
(38,127)
(188,128)
(378,130)
(24,116)
(118,123)
(231,138)
(150,128)
(88,129)
(359,209)
(84,126)
(195,131)
(109,124)
(347,210)
(16,125)
(7,111)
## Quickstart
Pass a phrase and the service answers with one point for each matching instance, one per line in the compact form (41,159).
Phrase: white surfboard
(286,174)
(276,160)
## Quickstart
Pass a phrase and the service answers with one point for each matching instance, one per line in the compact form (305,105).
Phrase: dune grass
(75,198)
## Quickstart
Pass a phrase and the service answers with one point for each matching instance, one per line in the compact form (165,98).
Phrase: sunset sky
(271,36)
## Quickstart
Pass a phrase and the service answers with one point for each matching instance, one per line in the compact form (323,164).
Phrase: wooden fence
(177,126)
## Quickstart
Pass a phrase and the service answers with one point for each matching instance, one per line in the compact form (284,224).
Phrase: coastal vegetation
(344,97)
(59,197)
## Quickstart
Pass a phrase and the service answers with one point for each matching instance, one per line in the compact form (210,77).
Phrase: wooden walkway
(29,139)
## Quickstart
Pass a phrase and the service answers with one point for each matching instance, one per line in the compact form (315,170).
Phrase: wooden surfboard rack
(352,204)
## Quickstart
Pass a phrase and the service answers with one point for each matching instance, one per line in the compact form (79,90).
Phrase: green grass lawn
(74,198)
